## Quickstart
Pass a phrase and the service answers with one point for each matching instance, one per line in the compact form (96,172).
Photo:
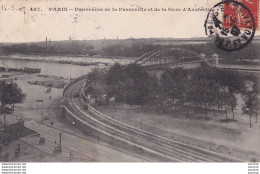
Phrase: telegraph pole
(46,42)
(5,120)
(60,140)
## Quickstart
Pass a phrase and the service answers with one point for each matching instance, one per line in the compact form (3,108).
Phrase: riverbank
(81,60)
(50,68)
(49,81)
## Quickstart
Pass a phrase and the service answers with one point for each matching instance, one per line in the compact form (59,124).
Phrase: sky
(18,24)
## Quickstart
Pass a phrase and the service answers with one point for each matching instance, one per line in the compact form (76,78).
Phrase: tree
(141,87)
(10,93)
(216,89)
(174,83)
(115,79)
(98,92)
(255,90)
(223,99)
(150,89)
(204,95)
(251,99)
(202,92)
(248,107)
(232,102)
(96,76)
(96,86)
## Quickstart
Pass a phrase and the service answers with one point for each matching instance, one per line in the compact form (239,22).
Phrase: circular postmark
(231,24)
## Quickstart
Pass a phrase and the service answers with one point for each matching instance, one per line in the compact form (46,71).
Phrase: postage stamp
(232,23)
(252,5)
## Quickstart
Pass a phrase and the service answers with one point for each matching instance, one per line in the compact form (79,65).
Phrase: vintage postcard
(129,81)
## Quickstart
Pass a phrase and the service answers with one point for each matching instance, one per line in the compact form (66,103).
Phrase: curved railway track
(169,149)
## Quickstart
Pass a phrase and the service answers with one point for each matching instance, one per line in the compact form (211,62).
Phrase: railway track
(170,149)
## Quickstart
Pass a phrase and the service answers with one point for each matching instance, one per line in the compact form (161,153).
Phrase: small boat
(32,70)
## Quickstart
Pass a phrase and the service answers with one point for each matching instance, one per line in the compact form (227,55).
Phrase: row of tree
(130,84)
(202,89)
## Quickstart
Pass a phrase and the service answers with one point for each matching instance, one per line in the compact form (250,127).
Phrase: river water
(54,68)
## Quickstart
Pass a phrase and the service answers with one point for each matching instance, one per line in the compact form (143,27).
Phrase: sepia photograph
(129,81)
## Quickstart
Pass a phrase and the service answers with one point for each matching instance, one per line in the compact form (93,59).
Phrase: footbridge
(162,58)
(172,57)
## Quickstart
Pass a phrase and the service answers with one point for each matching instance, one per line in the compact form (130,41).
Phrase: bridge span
(174,57)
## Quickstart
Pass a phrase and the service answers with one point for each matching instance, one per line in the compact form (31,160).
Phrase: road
(83,148)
